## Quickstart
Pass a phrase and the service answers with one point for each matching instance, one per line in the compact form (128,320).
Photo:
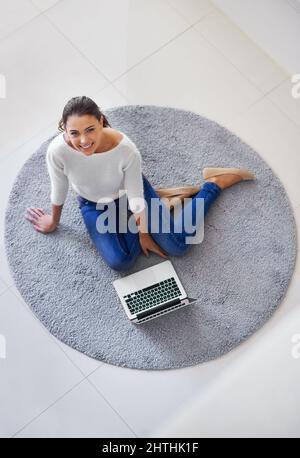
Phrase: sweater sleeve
(59,181)
(133,182)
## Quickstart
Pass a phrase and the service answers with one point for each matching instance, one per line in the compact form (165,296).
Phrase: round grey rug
(240,272)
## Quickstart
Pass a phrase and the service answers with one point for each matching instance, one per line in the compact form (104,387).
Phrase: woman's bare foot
(226,180)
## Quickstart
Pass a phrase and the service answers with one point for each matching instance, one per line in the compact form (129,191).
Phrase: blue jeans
(121,249)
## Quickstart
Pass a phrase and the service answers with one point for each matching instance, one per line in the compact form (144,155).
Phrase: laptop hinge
(158,308)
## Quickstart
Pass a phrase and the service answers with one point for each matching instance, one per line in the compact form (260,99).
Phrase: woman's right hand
(42,222)
(148,244)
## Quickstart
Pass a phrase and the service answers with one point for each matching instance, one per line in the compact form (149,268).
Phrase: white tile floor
(196,60)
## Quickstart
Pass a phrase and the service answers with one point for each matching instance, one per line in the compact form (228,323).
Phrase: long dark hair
(81,106)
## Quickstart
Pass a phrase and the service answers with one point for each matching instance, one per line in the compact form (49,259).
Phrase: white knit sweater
(101,177)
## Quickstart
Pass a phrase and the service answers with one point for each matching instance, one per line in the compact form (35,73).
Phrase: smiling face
(86,133)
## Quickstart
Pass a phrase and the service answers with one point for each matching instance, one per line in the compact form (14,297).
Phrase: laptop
(152,292)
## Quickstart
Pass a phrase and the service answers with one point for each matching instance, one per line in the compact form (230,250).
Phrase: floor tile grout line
(263,97)
(190,26)
(277,86)
(265,53)
(85,377)
(128,101)
(47,9)
(128,69)
(295,7)
(70,359)
(82,54)
(43,13)
(51,405)
(3,280)
(143,59)
(120,93)
(244,112)
(45,330)
(5,283)
(204,15)
(55,339)
(74,364)
(5,291)
(237,68)
(276,105)
(48,333)
(10,34)
(44,16)
(65,394)
(151,55)
(207,41)
(28,140)
(109,404)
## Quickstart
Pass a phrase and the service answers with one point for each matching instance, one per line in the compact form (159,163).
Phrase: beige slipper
(185,191)
(209,172)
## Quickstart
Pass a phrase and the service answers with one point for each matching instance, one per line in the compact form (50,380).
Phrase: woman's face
(85,133)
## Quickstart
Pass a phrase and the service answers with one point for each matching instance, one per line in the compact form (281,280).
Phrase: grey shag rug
(240,272)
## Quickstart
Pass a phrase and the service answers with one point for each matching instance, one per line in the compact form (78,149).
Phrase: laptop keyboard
(146,298)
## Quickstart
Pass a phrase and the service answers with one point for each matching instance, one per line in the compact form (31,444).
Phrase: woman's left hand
(148,244)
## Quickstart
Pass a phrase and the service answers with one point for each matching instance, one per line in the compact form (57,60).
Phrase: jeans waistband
(84,200)
(87,201)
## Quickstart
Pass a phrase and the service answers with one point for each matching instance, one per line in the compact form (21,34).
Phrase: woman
(103,164)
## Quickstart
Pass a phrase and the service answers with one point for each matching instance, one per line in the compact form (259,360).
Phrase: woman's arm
(56,214)
(134,188)
(59,181)
(42,221)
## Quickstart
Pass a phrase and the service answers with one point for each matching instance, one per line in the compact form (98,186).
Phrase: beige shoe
(209,172)
(184,191)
